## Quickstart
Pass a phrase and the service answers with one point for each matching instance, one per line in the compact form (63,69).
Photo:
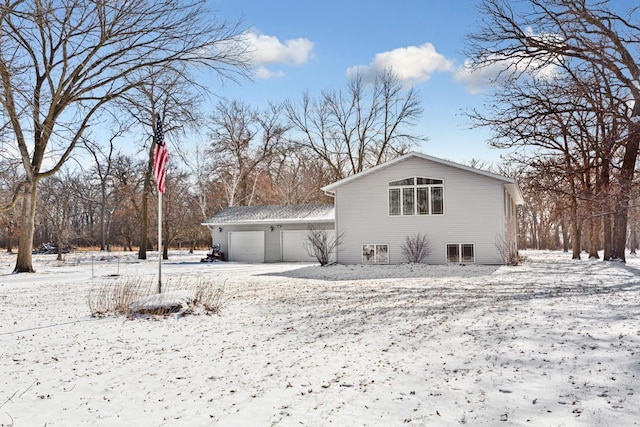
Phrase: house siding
(473,213)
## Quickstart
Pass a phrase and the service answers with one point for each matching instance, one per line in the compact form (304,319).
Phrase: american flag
(160,156)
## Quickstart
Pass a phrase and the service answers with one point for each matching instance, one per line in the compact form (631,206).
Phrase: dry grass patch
(131,296)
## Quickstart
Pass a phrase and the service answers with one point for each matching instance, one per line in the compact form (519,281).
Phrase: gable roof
(510,183)
(270,213)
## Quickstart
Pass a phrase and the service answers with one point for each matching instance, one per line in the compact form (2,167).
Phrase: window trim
(375,255)
(460,251)
(399,190)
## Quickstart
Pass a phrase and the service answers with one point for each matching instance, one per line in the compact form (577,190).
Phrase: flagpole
(160,159)
(159,242)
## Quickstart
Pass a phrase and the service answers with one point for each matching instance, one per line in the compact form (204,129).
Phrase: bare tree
(62,63)
(56,208)
(245,142)
(103,172)
(172,94)
(362,127)
(10,179)
(125,217)
(298,176)
(571,39)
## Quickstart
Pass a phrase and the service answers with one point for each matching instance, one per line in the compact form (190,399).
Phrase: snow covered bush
(416,248)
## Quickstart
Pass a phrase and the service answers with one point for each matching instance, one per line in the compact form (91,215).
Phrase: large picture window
(461,253)
(375,254)
(416,196)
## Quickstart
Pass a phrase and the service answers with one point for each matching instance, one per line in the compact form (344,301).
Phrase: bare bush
(124,296)
(208,296)
(321,245)
(416,248)
(509,252)
(115,296)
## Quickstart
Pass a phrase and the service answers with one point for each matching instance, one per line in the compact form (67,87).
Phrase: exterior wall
(473,213)
(272,249)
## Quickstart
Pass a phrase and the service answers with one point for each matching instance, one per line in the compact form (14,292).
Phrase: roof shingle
(271,213)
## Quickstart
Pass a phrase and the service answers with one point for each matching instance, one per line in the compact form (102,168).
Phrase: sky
(304,46)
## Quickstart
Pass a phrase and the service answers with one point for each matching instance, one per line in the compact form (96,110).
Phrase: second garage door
(246,246)
(293,246)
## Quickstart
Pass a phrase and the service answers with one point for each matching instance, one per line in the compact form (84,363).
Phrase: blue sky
(311,45)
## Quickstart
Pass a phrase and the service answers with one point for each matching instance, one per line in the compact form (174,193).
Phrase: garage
(293,247)
(256,234)
(246,246)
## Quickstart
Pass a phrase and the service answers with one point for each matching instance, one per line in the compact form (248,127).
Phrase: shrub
(320,245)
(510,255)
(416,248)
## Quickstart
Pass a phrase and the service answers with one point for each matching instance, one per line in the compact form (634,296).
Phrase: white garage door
(246,246)
(293,246)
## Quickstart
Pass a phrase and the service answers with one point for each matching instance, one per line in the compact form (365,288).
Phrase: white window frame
(377,254)
(400,189)
(461,259)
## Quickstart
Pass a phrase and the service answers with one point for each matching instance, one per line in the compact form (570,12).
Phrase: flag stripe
(160,157)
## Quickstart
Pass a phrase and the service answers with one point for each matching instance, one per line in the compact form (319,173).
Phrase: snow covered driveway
(551,342)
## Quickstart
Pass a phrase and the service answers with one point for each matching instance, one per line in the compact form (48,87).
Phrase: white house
(468,216)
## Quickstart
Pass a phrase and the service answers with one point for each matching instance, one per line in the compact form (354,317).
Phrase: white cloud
(269,50)
(411,64)
(263,73)
(479,78)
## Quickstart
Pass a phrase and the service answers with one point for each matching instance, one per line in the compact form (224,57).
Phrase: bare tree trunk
(27,228)
(565,236)
(103,215)
(633,243)
(594,238)
(604,191)
(626,180)
(144,220)
(576,229)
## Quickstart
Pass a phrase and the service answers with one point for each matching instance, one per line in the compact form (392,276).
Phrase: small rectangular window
(394,201)
(423,200)
(437,200)
(368,254)
(463,253)
(407,201)
(375,254)
(467,253)
(382,254)
(453,254)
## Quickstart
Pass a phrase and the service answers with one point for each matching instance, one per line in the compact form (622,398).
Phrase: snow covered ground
(552,342)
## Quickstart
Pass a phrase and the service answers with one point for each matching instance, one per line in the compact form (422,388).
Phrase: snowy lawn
(551,342)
